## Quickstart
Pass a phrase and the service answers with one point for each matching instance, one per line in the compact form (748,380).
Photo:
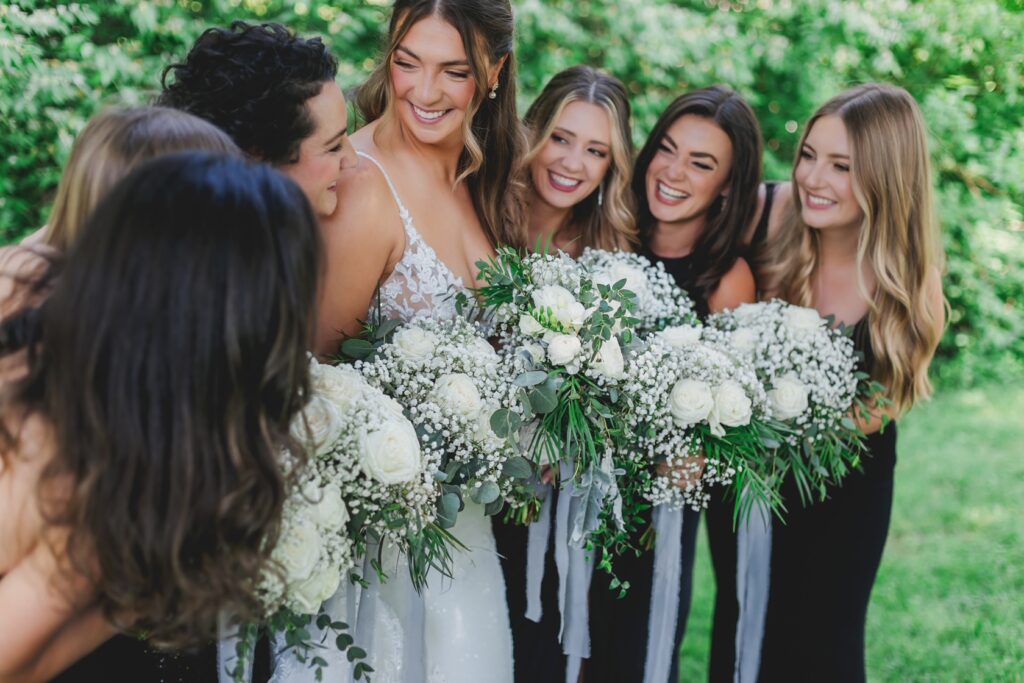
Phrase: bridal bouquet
(809,370)
(562,336)
(446,375)
(697,419)
(659,301)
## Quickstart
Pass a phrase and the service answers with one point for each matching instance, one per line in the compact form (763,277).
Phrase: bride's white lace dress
(466,632)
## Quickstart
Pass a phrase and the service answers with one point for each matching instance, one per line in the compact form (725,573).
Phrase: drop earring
(494,91)
(600,194)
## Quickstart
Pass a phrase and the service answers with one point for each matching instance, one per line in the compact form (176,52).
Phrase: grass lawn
(949,601)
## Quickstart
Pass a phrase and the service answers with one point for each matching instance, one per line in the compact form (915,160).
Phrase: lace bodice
(421,283)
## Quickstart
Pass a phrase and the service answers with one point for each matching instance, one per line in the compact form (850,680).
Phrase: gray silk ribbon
(227,653)
(664,610)
(575,571)
(753,574)
(536,552)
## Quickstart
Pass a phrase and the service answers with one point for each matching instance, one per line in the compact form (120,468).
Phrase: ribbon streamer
(227,652)
(753,574)
(661,623)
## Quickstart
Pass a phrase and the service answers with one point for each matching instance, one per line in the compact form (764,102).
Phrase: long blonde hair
(113,143)
(494,138)
(610,224)
(898,238)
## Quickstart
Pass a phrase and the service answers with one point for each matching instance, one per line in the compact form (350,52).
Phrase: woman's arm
(46,618)
(363,240)
(736,287)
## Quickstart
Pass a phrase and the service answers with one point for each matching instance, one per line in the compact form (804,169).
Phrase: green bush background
(962,60)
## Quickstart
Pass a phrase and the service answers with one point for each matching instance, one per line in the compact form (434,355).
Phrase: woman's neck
(441,160)
(550,224)
(675,240)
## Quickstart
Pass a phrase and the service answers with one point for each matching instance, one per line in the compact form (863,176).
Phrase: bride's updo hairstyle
(113,143)
(611,223)
(168,362)
(494,137)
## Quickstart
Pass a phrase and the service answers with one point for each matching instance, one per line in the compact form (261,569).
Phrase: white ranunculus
(535,350)
(298,551)
(788,397)
(328,509)
(391,453)
(801,320)
(745,313)
(690,402)
(563,348)
(636,280)
(560,302)
(609,360)
(318,425)
(308,595)
(457,392)
(529,326)
(415,343)
(732,407)
(681,335)
(744,340)
(339,384)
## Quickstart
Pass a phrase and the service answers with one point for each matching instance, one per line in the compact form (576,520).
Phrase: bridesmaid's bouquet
(813,386)
(659,301)
(697,419)
(446,376)
(562,335)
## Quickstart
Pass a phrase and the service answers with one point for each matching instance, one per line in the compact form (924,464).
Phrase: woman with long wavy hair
(862,245)
(434,192)
(149,381)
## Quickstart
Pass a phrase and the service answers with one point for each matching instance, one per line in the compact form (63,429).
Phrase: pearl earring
(494,91)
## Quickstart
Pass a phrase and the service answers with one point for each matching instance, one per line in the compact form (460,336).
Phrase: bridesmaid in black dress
(696,182)
(578,172)
(149,381)
(861,245)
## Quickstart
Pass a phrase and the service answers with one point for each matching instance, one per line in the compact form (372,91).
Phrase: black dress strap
(761,231)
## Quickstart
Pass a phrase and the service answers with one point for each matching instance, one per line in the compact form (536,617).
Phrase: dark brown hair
(494,138)
(169,361)
(719,244)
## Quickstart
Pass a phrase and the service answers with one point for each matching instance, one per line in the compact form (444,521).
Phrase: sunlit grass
(949,601)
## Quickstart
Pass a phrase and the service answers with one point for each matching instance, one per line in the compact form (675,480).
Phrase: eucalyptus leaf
(529,379)
(356,348)
(543,399)
(517,467)
(486,494)
(448,510)
(504,423)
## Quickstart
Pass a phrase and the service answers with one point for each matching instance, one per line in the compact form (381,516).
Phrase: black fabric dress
(824,562)
(618,626)
(125,659)
(722,537)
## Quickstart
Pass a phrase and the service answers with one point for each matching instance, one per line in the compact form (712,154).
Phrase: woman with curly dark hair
(149,380)
(274,93)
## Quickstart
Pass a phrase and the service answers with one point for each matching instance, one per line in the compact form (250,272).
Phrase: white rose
(339,384)
(681,335)
(482,350)
(298,551)
(788,397)
(529,326)
(318,425)
(560,302)
(744,340)
(391,454)
(690,402)
(563,348)
(801,320)
(308,595)
(415,343)
(458,393)
(745,313)
(732,407)
(636,280)
(535,350)
(328,509)
(609,360)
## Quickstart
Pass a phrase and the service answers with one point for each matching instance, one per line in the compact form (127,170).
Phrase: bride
(432,194)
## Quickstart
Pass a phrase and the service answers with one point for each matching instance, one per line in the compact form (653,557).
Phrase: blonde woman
(579,164)
(861,244)
(113,143)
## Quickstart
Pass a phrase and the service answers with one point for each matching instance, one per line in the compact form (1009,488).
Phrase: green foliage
(60,62)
